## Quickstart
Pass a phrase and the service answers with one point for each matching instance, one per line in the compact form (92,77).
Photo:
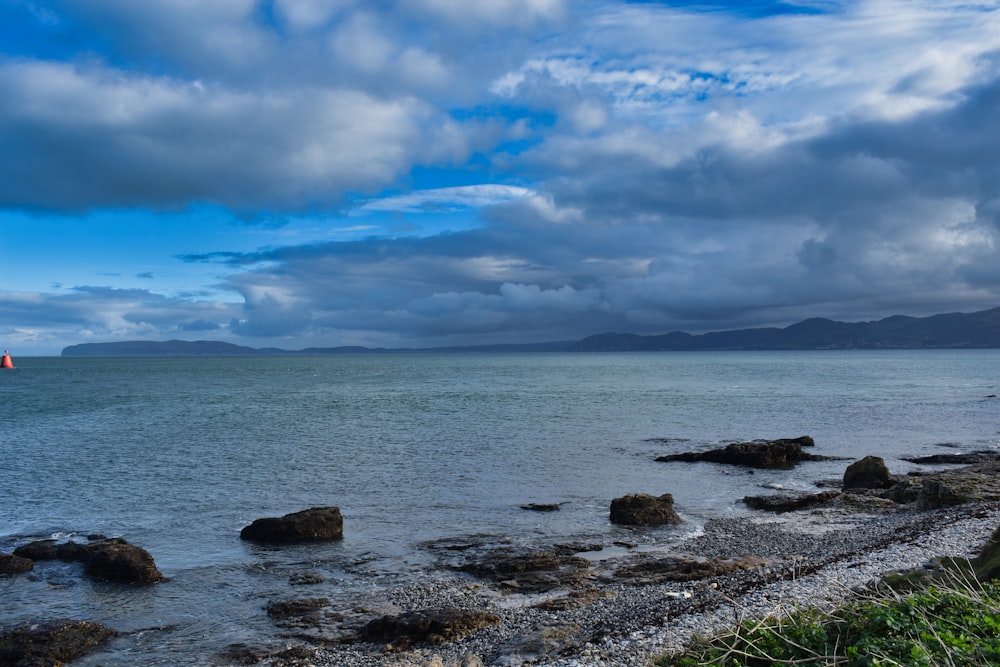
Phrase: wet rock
(871,472)
(51,644)
(117,560)
(110,559)
(640,509)
(573,600)
(979,456)
(317,524)
(788,503)
(11,564)
(782,453)
(657,570)
(541,507)
(436,626)
(527,570)
(296,608)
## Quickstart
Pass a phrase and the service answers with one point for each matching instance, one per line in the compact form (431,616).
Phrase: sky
(421,173)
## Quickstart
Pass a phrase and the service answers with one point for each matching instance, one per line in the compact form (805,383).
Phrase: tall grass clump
(952,621)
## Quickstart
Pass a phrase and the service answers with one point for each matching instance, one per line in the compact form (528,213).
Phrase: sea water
(176,455)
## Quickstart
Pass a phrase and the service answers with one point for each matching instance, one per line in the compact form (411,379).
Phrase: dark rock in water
(296,608)
(11,564)
(640,509)
(318,524)
(425,627)
(786,503)
(51,644)
(117,560)
(782,453)
(541,507)
(979,456)
(111,559)
(870,472)
(52,550)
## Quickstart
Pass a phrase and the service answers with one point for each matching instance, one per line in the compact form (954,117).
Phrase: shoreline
(608,620)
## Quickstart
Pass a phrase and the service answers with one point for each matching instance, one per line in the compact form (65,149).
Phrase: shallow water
(178,454)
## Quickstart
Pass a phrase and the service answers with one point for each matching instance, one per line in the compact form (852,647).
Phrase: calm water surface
(178,454)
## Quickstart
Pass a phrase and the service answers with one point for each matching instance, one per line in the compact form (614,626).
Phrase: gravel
(810,559)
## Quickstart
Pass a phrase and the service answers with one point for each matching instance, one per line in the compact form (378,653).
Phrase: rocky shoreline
(564,605)
(617,617)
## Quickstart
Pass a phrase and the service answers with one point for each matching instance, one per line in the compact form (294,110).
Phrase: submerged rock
(641,509)
(782,453)
(52,643)
(979,456)
(317,524)
(871,472)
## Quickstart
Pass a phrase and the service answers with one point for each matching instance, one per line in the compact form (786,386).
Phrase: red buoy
(6,363)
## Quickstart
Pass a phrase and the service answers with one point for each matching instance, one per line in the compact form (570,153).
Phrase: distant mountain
(952,330)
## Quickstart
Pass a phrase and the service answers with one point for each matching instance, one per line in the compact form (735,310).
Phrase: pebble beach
(805,559)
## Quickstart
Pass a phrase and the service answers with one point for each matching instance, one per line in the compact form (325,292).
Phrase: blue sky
(300,173)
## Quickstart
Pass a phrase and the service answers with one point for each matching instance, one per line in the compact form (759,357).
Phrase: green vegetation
(955,620)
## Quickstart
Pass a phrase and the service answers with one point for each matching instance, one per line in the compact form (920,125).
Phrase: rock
(51,550)
(979,456)
(111,559)
(527,570)
(976,483)
(541,507)
(296,608)
(318,524)
(657,570)
(641,509)
(870,472)
(785,503)
(51,644)
(425,627)
(11,564)
(782,453)
(542,644)
(904,489)
(117,560)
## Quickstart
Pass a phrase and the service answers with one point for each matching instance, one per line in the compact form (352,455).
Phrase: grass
(951,619)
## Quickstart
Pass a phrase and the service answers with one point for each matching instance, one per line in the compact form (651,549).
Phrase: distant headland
(947,331)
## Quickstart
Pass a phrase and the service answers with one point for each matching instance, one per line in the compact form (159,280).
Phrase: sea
(178,454)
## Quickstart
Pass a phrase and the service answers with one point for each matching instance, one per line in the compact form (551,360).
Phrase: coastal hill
(952,330)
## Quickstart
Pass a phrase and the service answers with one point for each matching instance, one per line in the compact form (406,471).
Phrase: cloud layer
(524,170)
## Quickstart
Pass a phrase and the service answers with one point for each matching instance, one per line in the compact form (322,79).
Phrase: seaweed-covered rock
(317,524)
(51,644)
(111,559)
(641,509)
(117,560)
(435,626)
(11,564)
(787,503)
(978,482)
(782,453)
(871,472)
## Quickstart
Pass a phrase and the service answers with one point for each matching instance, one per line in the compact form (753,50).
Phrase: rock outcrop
(781,453)
(317,524)
(51,644)
(974,483)
(640,509)
(11,564)
(871,472)
(109,559)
